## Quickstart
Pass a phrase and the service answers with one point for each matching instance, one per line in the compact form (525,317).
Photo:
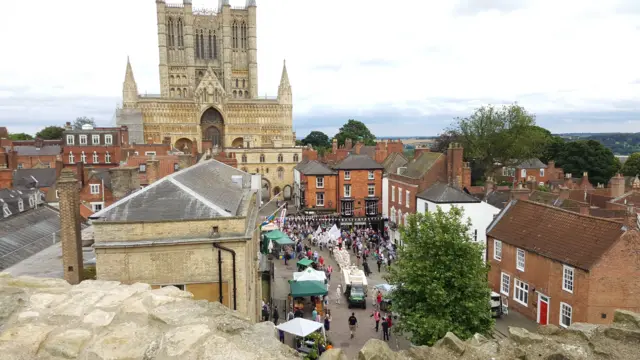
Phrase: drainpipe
(233,256)
(220,298)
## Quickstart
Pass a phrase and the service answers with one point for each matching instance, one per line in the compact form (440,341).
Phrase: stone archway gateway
(212,125)
(184,145)
(266,190)
(276,191)
(286,192)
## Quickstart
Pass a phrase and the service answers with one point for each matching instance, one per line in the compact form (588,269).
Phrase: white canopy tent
(309,274)
(302,327)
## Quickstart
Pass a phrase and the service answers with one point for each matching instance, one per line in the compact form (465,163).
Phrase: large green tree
(82,120)
(631,166)
(51,133)
(577,157)
(20,136)
(495,137)
(443,140)
(441,279)
(317,139)
(355,130)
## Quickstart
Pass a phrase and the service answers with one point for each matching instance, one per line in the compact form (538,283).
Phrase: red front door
(543,310)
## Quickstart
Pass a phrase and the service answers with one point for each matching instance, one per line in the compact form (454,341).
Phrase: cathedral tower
(129,88)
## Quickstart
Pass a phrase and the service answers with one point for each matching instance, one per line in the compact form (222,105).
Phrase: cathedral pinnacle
(284,80)
(128,77)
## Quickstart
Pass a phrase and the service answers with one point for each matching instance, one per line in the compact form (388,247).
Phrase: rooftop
(532,164)
(358,162)
(561,235)
(421,165)
(27,150)
(314,167)
(29,178)
(441,193)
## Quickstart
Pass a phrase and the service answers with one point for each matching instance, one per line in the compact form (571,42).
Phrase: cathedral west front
(209,93)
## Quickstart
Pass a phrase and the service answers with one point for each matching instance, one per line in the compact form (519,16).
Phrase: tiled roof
(24,178)
(203,191)
(28,150)
(532,164)
(301,165)
(560,235)
(499,199)
(420,165)
(315,167)
(165,165)
(628,198)
(445,194)
(369,150)
(103,175)
(358,162)
(393,162)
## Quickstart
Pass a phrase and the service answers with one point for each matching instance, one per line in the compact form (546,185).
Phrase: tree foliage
(441,279)
(317,139)
(496,137)
(631,167)
(589,156)
(443,140)
(355,130)
(82,120)
(51,133)
(20,136)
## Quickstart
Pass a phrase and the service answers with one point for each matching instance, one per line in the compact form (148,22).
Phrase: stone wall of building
(108,231)
(50,319)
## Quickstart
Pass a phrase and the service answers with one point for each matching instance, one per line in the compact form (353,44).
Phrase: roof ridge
(569,212)
(200,198)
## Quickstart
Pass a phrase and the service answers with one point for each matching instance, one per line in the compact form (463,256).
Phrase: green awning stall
(307,288)
(279,237)
(305,262)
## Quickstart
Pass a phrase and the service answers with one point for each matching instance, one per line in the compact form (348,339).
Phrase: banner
(283,215)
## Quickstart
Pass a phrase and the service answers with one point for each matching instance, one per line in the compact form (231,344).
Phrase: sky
(403,67)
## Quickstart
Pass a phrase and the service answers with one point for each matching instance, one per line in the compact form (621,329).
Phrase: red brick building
(318,187)
(377,152)
(359,185)
(559,267)
(153,168)
(531,171)
(98,147)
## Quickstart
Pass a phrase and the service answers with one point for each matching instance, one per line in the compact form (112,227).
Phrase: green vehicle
(356,296)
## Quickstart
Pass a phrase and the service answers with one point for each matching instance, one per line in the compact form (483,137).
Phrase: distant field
(415,142)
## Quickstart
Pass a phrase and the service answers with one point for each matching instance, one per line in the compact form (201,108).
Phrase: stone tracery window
(201,44)
(261,158)
(234,34)
(280,158)
(244,158)
(295,158)
(180,33)
(170,34)
(212,46)
(243,33)
(280,173)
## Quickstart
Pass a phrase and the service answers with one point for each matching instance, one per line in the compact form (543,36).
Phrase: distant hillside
(619,143)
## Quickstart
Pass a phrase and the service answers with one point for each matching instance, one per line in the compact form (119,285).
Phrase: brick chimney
(520,192)
(348,144)
(585,209)
(59,166)
(564,193)
(67,126)
(489,185)
(358,147)
(617,185)
(334,146)
(153,170)
(4,159)
(419,150)
(454,165)
(80,172)
(70,235)
(584,182)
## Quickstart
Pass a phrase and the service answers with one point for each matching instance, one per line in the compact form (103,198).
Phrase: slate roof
(202,191)
(358,162)
(393,162)
(561,235)
(102,176)
(26,234)
(11,197)
(369,150)
(532,164)
(441,193)
(301,164)
(499,199)
(315,167)
(420,165)
(24,178)
(30,150)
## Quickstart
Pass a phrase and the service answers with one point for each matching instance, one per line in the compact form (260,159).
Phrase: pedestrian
(338,294)
(385,329)
(290,315)
(298,313)
(265,312)
(379,298)
(376,317)
(276,315)
(281,335)
(321,260)
(353,324)
(327,320)
(314,314)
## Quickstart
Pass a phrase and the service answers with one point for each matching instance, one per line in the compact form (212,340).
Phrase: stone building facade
(209,89)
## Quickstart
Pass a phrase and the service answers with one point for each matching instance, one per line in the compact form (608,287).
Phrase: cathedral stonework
(209,90)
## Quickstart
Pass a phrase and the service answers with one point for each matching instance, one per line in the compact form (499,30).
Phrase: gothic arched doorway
(276,191)
(266,190)
(237,142)
(212,126)
(286,191)
(184,145)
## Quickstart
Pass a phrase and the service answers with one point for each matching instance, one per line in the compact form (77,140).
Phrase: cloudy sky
(404,67)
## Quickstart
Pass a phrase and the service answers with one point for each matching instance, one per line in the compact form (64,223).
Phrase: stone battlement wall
(50,319)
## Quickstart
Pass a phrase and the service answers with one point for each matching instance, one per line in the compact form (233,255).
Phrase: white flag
(334,233)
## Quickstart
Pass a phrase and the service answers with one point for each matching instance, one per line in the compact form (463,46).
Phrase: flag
(270,218)
(282,216)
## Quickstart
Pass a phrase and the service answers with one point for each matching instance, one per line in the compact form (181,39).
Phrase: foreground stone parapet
(50,320)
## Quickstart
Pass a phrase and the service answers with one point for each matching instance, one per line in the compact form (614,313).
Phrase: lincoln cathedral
(209,93)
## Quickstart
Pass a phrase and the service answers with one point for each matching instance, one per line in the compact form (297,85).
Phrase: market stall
(298,290)
(302,328)
(310,274)
(278,241)
(304,264)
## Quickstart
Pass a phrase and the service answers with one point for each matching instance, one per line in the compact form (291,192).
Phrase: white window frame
(541,172)
(107,157)
(72,158)
(347,190)
(319,182)
(408,198)
(108,139)
(393,193)
(497,250)
(70,140)
(95,159)
(523,173)
(505,279)
(5,210)
(20,205)
(94,189)
(347,175)
(371,190)
(82,140)
(521,288)
(372,175)
(399,195)
(95,139)
(20,166)
(93,206)
(32,201)
(83,158)
(521,256)
(563,307)
(320,199)
(347,208)
(142,168)
(568,284)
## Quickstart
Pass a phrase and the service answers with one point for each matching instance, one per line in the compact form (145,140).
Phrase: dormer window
(70,140)
(32,201)
(83,139)
(6,211)
(95,139)
(20,205)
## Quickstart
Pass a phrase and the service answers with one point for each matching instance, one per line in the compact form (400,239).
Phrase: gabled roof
(206,190)
(315,167)
(441,193)
(103,175)
(561,235)
(532,164)
(499,199)
(358,162)
(30,150)
(394,161)
(301,164)
(421,165)
(26,178)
